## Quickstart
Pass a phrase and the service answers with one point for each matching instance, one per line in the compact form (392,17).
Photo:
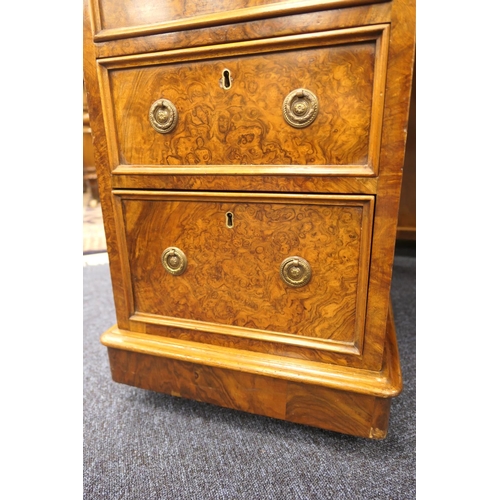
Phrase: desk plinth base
(346,400)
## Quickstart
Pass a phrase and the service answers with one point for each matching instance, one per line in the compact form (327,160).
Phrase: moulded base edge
(337,398)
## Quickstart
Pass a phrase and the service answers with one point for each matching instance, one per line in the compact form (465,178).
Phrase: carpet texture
(143,445)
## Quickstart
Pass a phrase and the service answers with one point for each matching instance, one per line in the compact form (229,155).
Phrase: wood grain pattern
(236,390)
(101,157)
(334,398)
(338,411)
(132,13)
(385,383)
(89,172)
(407,215)
(329,360)
(396,110)
(233,273)
(244,125)
(366,15)
(249,183)
(261,341)
(133,19)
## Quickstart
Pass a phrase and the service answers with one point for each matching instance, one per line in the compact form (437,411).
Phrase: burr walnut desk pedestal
(249,157)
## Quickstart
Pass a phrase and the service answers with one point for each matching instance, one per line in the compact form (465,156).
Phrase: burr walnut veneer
(249,156)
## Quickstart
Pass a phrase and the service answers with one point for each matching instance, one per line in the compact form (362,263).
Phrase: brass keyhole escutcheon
(295,271)
(163,116)
(174,260)
(229,220)
(300,108)
(226,80)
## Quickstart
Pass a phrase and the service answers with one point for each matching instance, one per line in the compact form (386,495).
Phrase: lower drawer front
(293,267)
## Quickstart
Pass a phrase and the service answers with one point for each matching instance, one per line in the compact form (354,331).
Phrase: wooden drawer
(244,273)
(240,107)
(133,14)
(132,19)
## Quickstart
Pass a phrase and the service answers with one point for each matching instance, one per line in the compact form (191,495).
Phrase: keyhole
(226,79)
(229,219)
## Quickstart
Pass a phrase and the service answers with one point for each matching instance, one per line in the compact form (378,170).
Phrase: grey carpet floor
(143,445)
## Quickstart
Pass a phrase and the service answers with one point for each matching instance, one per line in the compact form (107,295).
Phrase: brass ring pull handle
(300,108)
(174,260)
(295,271)
(163,116)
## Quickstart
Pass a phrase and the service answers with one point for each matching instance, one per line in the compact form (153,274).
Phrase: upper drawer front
(244,256)
(131,13)
(239,110)
(128,18)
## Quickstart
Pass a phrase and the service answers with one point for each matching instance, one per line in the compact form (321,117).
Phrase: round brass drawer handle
(295,271)
(163,116)
(174,260)
(300,108)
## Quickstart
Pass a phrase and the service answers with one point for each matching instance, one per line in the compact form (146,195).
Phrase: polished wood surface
(233,273)
(89,171)
(318,394)
(228,330)
(132,19)
(396,107)
(244,124)
(407,218)
(309,21)
(243,127)
(132,13)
